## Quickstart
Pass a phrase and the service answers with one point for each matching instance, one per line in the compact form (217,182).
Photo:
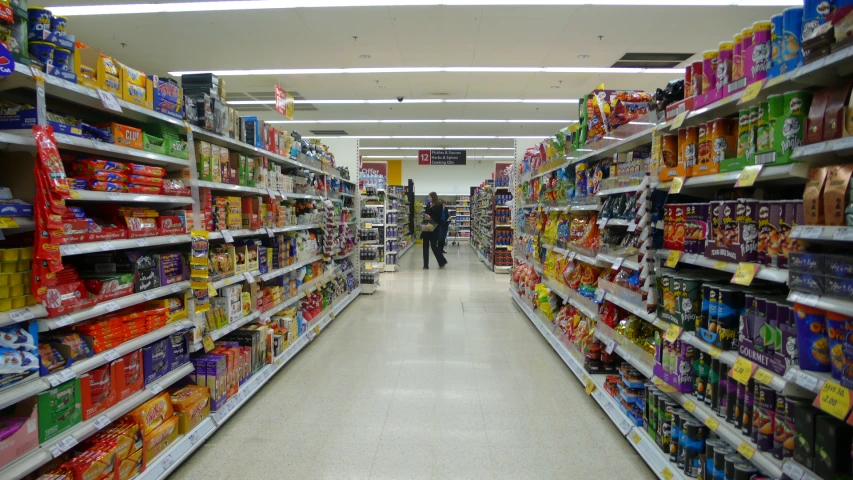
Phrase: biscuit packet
(835,194)
(813,196)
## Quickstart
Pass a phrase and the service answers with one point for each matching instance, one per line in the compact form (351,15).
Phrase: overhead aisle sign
(442,157)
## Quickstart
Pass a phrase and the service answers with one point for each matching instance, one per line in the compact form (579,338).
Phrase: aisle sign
(284,102)
(834,400)
(442,157)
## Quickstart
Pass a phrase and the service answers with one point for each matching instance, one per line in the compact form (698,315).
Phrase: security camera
(400,99)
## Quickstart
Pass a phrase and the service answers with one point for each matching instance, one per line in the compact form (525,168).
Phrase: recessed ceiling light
(129,8)
(583,56)
(435,137)
(377,70)
(555,87)
(380,87)
(364,56)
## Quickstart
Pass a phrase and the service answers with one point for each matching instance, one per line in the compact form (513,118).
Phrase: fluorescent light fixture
(433,137)
(505,157)
(434,148)
(410,101)
(231,5)
(449,120)
(339,71)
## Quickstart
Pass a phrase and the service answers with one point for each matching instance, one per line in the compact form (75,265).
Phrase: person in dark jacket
(432,239)
(445,226)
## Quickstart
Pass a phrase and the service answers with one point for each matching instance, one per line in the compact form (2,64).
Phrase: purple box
(839,266)
(696,227)
(747,220)
(765,417)
(172,268)
(180,353)
(839,287)
(156,360)
(15,208)
(806,262)
(682,379)
(806,282)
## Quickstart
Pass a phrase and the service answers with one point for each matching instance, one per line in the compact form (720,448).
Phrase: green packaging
(153,144)
(763,135)
(250,172)
(743,132)
(788,128)
(59,409)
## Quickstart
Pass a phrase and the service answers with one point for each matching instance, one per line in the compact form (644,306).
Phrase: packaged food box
(192,405)
(20,432)
(134,87)
(160,438)
(98,390)
(153,413)
(59,409)
(129,375)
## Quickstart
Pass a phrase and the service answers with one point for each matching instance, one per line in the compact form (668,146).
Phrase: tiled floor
(436,376)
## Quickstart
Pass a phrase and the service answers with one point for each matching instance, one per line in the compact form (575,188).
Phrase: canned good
(709,70)
(777,49)
(758,63)
(737,58)
(691,148)
(743,131)
(725,57)
(710,448)
(748,408)
(694,445)
(38,23)
(712,397)
(697,68)
(723,141)
(765,417)
(729,467)
(744,471)
(720,454)
(792,39)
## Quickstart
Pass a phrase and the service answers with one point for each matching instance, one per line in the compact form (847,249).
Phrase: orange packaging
(723,141)
(159,439)
(679,218)
(192,405)
(689,149)
(125,136)
(130,466)
(705,159)
(669,157)
(98,390)
(152,413)
(97,462)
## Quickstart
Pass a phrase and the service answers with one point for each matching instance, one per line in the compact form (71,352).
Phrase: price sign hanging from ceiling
(284,102)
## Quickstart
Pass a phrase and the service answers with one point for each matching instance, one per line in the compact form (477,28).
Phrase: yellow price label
(211,290)
(368,225)
(666,473)
(689,406)
(672,333)
(636,438)
(207,341)
(75,194)
(715,352)
(675,185)
(317,330)
(748,176)
(712,423)
(678,121)
(663,386)
(368,266)
(721,265)
(509,248)
(673,258)
(834,400)
(763,376)
(745,274)
(751,92)
(742,370)
(8,222)
(590,387)
(746,450)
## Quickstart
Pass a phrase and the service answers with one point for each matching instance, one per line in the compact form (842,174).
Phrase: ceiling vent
(329,133)
(651,60)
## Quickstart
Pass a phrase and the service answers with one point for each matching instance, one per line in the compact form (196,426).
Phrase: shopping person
(431,239)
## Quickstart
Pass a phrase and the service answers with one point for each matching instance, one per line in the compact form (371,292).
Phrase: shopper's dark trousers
(431,240)
(443,241)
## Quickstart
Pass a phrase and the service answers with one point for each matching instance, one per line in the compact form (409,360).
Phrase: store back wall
(456,180)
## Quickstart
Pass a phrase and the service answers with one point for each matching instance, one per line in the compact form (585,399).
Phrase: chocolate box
(156,360)
(59,409)
(835,112)
(832,448)
(816,119)
(98,390)
(839,287)
(129,375)
(23,419)
(805,420)
(806,282)
(835,265)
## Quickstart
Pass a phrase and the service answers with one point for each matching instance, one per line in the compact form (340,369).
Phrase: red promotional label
(424,157)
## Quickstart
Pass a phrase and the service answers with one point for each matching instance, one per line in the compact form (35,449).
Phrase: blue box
(15,208)
(26,119)
(168,97)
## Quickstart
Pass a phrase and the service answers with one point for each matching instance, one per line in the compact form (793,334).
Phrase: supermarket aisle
(435,376)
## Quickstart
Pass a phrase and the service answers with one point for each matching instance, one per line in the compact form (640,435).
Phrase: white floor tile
(436,376)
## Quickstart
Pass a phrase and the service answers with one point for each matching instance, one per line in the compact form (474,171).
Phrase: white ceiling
(416,37)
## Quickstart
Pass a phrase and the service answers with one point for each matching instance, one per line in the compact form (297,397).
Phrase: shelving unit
(782,182)
(328,210)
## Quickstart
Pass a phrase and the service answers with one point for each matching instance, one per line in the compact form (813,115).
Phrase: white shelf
(184,446)
(781,174)
(22,315)
(111,306)
(91,196)
(772,274)
(76,434)
(583,258)
(585,305)
(24,224)
(648,450)
(823,233)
